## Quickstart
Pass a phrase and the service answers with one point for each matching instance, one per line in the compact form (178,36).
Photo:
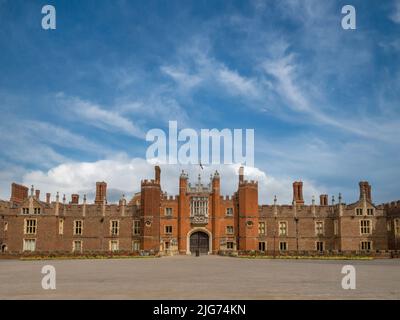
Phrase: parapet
(251,183)
(150,183)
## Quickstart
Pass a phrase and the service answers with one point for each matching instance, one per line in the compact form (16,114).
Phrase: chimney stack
(157,173)
(37,194)
(18,193)
(323,200)
(365,190)
(298,192)
(75,199)
(101,192)
(241,175)
(48,195)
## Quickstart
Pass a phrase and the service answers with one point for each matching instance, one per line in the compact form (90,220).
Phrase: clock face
(148,223)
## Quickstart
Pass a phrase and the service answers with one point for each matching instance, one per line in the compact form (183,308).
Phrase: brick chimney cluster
(101,192)
(74,198)
(323,200)
(365,188)
(298,192)
(18,193)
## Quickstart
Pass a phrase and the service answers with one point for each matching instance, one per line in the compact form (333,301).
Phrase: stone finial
(275,200)
(32,190)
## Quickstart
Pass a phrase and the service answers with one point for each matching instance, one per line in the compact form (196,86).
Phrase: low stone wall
(76,255)
(334,253)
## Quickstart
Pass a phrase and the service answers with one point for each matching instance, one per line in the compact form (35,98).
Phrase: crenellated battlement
(248,183)
(150,183)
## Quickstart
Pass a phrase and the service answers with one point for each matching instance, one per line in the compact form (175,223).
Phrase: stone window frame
(24,210)
(367,227)
(24,246)
(61,226)
(168,229)
(359,211)
(230,229)
(280,246)
(114,229)
(135,242)
(74,246)
(229,212)
(136,228)
(362,242)
(370,210)
(228,246)
(168,212)
(36,210)
(286,228)
(5,226)
(76,227)
(32,228)
(111,242)
(396,227)
(264,244)
(335,227)
(323,246)
(317,229)
(262,231)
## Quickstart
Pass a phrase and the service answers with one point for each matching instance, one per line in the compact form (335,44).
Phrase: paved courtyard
(205,277)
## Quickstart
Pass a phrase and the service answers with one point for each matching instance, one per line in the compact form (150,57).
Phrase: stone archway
(199,239)
(3,248)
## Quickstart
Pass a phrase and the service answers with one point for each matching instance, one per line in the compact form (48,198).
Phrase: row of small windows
(168,211)
(77,245)
(360,211)
(27,211)
(30,227)
(319,246)
(365,228)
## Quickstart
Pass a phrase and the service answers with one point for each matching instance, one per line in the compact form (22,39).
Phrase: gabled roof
(36,203)
(360,203)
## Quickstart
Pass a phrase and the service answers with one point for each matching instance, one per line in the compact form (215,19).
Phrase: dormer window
(359,211)
(25,210)
(36,210)
(370,212)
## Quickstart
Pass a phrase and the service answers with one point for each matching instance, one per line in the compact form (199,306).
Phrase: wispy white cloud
(184,79)
(94,115)
(395,15)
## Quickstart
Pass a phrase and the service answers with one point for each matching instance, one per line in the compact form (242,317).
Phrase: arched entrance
(4,248)
(199,241)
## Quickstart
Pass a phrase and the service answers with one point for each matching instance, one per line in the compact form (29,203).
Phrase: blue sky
(77,102)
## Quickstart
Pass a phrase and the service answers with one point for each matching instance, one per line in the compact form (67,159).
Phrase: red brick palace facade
(199,219)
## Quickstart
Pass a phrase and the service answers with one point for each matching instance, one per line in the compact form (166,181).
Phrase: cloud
(395,15)
(94,115)
(198,69)
(124,175)
(184,79)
